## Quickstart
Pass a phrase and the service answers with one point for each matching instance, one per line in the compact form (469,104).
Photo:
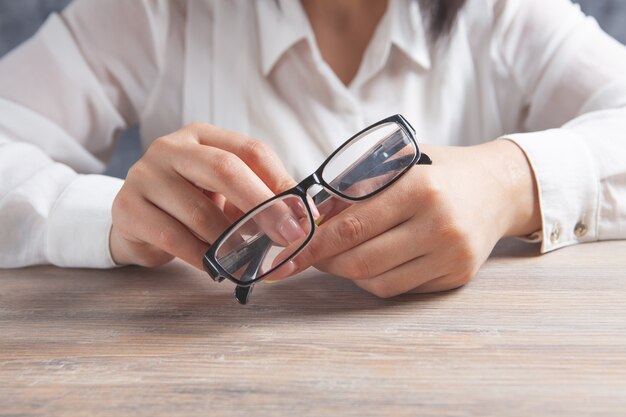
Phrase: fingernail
(290,229)
(284,271)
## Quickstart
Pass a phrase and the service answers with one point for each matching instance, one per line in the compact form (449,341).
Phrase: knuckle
(453,233)
(199,214)
(159,145)
(121,203)
(167,145)
(430,191)
(227,166)
(463,279)
(466,253)
(467,259)
(152,257)
(433,195)
(281,184)
(137,170)
(256,151)
(355,268)
(195,127)
(312,253)
(192,126)
(258,154)
(122,213)
(160,150)
(451,283)
(351,228)
(152,261)
(380,288)
(167,240)
(403,194)
(456,280)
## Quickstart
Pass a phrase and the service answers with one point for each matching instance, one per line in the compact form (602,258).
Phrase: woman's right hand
(186,190)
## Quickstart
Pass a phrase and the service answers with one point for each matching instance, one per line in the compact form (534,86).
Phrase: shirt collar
(282,24)
(408,32)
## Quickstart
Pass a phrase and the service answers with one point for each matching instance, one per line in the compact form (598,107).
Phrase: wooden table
(530,336)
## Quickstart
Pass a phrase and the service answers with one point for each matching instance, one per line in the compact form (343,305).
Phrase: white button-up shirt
(536,72)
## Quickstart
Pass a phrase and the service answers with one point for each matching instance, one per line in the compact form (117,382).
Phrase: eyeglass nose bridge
(308,182)
(320,197)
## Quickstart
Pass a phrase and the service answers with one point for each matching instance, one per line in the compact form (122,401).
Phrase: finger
(131,251)
(380,254)
(288,268)
(282,220)
(231,212)
(353,226)
(189,205)
(328,209)
(256,154)
(445,283)
(402,279)
(218,199)
(168,234)
(220,171)
(217,170)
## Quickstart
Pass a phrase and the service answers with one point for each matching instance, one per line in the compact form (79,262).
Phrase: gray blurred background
(19,19)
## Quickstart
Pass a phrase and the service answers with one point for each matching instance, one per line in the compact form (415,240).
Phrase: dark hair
(440,15)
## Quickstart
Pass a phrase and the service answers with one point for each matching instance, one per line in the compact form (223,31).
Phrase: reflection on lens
(264,238)
(370,161)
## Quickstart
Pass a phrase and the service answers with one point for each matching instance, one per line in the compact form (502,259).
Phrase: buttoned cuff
(568,186)
(80,221)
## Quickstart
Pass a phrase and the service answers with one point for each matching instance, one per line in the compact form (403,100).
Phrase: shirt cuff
(80,222)
(568,186)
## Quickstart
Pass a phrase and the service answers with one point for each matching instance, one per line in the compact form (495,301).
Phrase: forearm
(574,116)
(63,96)
(581,178)
(51,214)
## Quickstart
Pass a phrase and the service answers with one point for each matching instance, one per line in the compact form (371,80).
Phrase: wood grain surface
(529,336)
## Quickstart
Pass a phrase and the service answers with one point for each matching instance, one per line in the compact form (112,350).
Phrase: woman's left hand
(434,228)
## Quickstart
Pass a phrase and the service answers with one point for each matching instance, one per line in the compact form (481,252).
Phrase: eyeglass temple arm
(242,293)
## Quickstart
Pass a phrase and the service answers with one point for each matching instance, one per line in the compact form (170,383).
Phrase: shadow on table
(176,293)
(515,248)
(177,299)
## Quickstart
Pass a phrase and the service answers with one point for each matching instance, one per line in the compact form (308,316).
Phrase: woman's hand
(186,189)
(434,228)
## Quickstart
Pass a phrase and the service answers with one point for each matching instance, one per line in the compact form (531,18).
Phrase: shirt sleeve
(573,79)
(64,96)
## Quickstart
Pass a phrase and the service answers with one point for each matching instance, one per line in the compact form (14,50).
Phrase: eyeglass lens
(370,161)
(270,234)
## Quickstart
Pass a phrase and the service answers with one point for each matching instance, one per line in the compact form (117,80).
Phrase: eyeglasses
(274,232)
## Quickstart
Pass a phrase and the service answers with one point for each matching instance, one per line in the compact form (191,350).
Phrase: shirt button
(556,234)
(580,229)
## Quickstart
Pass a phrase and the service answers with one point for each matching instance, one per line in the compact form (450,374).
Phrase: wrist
(519,194)
(116,248)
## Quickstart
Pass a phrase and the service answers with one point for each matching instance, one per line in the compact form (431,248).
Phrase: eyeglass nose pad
(424,160)
(242,294)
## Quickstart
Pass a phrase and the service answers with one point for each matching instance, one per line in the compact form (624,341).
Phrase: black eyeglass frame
(218,273)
